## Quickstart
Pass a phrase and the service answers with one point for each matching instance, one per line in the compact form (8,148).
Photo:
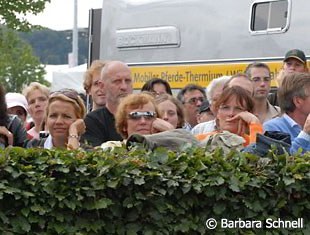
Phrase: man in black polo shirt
(100,124)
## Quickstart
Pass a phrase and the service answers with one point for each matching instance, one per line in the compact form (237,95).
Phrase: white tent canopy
(65,77)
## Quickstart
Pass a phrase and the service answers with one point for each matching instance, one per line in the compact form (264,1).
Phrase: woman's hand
(4,131)
(307,125)
(77,128)
(244,118)
(160,125)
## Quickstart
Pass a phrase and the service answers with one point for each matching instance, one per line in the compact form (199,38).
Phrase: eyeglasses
(194,100)
(259,79)
(70,93)
(138,115)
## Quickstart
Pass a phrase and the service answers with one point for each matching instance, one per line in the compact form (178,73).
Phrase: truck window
(269,16)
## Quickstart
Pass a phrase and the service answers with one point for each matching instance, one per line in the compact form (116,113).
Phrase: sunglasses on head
(138,115)
(70,93)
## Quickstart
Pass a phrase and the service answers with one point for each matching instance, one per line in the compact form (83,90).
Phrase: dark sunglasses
(70,93)
(138,115)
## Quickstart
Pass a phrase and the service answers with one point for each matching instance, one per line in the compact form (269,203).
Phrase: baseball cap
(297,54)
(16,99)
(205,106)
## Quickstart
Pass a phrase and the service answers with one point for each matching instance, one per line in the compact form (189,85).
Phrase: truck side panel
(203,32)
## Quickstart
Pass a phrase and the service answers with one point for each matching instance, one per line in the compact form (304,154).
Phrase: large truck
(194,41)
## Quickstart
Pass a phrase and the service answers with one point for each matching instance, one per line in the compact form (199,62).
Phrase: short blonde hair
(74,99)
(95,67)
(35,86)
(132,101)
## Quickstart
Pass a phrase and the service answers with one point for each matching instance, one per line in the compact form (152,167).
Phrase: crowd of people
(230,112)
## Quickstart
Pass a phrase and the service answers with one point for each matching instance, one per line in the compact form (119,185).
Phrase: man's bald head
(117,83)
(113,67)
(241,80)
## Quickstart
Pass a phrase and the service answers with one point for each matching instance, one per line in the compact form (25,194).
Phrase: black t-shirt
(100,127)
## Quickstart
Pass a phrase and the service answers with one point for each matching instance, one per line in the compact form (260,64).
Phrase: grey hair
(214,84)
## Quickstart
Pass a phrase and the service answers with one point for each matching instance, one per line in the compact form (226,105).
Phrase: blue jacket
(299,138)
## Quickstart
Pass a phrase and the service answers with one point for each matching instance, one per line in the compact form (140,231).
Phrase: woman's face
(140,120)
(61,115)
(159,89)
(19,111)
(37,102)
(168,112)
(226,111)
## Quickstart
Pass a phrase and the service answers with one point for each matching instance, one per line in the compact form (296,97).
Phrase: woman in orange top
(233,114)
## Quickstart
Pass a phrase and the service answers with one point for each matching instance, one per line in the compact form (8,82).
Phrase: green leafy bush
(143,192)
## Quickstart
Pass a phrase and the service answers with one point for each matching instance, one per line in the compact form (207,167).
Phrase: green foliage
(53,47)
(143,192)
(13,12)
(18,65)
(50,46)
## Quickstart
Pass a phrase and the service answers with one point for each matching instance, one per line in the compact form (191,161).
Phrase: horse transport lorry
(195,41)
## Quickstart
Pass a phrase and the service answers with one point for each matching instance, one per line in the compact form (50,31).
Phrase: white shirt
(33,133)
(48,144)
(204,127)
(187,126)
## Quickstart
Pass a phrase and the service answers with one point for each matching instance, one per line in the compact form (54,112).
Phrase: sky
(58,14)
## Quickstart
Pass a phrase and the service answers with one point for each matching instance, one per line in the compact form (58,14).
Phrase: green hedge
(142,192)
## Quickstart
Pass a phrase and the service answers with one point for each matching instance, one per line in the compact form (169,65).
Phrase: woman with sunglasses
(64,121)
(234,109)
(137,114)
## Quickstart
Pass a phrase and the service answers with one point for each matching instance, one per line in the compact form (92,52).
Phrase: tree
(12,12)
(18,65)
(52,47)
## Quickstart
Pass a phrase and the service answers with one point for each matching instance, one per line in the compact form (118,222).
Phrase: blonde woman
(37,97)
(64,121)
